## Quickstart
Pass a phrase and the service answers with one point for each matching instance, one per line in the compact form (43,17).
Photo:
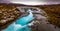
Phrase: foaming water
(21,24)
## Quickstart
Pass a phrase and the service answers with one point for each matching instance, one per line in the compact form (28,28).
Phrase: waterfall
(21,24)
(25,20)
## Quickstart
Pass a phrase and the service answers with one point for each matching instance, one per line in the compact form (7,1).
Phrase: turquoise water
(21,24)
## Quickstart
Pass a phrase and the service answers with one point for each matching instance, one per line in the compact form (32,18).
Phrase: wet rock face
(7,15)
(40,16)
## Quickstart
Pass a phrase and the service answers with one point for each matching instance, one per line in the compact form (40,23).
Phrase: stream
(22,24)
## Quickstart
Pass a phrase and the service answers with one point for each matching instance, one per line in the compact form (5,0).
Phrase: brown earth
(53,11)
(8,14)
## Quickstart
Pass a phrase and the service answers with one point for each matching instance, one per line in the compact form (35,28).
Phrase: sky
(31,2)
